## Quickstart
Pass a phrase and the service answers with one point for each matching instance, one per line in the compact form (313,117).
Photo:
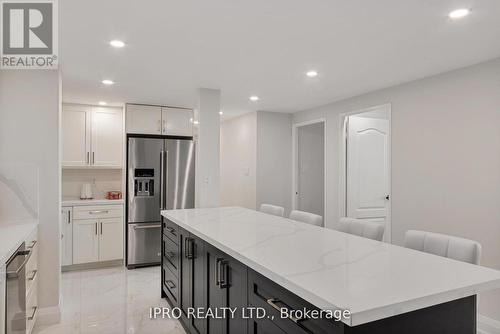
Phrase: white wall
(29,133)
(274,159)
(445,158)
(311,168)
(238,161)
(256,155)
(207,183)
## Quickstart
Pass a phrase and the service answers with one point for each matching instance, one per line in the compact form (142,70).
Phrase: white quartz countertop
(12,235)
(335,270)
(73,201)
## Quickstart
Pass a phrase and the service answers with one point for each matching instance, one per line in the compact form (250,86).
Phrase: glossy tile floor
(109,301)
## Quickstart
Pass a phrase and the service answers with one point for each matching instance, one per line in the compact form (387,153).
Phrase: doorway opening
(366,166)
(309,167)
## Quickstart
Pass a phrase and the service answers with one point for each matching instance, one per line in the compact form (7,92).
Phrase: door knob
(387,197)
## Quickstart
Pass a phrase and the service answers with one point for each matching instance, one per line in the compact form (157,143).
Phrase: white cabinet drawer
(31,310)
(98,212)
(32,270)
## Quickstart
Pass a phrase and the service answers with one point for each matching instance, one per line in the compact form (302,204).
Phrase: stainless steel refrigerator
(160,175)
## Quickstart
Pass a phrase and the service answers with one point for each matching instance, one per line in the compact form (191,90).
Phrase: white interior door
(368,168)
(310,185)
(107,137)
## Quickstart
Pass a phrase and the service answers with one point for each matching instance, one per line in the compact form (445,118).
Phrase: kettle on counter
(86,191)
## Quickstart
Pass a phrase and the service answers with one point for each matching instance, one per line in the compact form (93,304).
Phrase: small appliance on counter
(114,195)
(86,191)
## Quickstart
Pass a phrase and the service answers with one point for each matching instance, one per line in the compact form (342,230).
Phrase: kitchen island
(236,257)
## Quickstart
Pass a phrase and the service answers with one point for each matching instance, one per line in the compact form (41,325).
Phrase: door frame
(295,155)
(343,163)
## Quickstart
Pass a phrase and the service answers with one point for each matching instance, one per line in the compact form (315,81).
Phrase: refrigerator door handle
(162,175)
(165,184)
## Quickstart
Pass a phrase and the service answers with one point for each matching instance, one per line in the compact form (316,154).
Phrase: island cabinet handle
(170,284)
(273,301)
(221,273)
(188,248)
(171,230)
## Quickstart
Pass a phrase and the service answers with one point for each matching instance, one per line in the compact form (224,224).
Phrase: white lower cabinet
(85,241)
(97,233)
(67,236)
(110,239)
(32,282)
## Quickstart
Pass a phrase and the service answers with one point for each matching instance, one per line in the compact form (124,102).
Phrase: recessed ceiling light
(102,103)
(221,113)
(108,82)
(312,74)
(117,44)
(254,98)
(459,13)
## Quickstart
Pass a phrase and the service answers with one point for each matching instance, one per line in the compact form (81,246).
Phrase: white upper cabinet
(177,122)
(144,119)
(107,137)
(92,136)
(155,120)
(76,135)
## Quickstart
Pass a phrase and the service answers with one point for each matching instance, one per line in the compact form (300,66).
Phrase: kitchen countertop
(12,235)
(74,201)
(335,270)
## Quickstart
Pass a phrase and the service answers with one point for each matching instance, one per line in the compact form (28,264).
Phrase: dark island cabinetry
(217,295)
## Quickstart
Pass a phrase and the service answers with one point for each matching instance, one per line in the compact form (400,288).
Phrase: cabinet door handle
(93,157)
(95,228)
(98,211)
(33,315)
(33,275)
(33,243)
(188,248)
(216,272)
(101,228)
(69,217)
(170,284)
(273,301)
(171,230)
(87,161)
(221,273)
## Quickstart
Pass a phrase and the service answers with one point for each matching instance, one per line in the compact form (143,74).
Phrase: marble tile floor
(109,301)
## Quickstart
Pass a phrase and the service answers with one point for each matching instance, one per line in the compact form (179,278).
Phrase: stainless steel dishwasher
(15,320)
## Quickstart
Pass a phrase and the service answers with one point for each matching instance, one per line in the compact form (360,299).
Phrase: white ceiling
(264,47)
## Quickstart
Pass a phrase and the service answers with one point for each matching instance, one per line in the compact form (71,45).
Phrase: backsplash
(103,180)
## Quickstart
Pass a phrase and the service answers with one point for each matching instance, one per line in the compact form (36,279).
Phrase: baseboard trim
(487,325)
(92,265)
(48,316)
